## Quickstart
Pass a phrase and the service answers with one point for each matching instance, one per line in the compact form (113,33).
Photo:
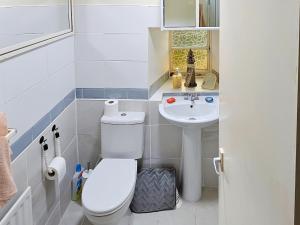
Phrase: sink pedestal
(192,172)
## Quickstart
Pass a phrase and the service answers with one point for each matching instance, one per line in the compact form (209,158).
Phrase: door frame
(297,175)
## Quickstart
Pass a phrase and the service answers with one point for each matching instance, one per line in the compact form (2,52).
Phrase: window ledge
(167,87)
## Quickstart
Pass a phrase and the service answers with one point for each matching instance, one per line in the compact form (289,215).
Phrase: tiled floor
(204,212)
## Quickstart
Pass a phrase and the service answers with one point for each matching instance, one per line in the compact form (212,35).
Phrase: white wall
(9,3)
(33,83)
(40,21)
(215,50)
(112,45)
(49,201)
(119,44)
(158,51)
(259,47)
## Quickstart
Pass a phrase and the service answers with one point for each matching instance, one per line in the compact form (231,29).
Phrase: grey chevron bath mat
(155,190)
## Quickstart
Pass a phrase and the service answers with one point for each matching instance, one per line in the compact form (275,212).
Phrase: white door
(258,92)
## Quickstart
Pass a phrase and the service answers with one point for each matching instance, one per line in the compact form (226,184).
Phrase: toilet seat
(109,186)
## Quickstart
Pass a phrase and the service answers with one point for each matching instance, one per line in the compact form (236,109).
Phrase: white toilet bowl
(108,192)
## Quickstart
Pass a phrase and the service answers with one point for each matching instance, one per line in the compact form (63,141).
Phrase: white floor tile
(73,215)
(204,212)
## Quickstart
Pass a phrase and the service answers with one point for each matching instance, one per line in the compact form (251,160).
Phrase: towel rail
(11,132)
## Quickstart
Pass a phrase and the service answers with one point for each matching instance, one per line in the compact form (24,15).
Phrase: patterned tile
(181,42)
(179,59)
(190,39)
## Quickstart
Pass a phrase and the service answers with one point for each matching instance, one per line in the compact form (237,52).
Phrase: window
(181,42)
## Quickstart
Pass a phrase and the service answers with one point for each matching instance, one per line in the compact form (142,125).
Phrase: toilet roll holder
(55,131)
(11,133)
(45,147)
(43,143)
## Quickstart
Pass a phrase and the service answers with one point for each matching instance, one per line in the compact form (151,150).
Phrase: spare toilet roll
(111,108)
(56,169)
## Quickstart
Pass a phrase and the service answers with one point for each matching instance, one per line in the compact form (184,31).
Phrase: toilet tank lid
(129,118)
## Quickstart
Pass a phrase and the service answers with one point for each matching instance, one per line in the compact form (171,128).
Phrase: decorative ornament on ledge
(190,79)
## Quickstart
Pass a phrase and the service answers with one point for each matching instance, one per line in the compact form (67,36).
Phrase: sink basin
(192,117)
(185,114)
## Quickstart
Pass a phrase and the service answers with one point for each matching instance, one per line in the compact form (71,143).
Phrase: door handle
(219,162)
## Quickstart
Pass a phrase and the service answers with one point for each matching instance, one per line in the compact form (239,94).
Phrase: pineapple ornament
(190,79)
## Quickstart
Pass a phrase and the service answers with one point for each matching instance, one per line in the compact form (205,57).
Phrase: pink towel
(7,185)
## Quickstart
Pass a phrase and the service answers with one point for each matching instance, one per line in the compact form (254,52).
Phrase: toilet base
(125,220)
(120,217)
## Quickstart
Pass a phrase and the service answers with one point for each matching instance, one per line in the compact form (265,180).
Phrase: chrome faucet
(194,97)
(191,97)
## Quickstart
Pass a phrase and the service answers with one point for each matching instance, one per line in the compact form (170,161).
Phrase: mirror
(25,23)
(190,13)
(178,13)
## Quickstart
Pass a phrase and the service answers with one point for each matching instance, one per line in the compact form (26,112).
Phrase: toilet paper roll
(56,169)
(111,108)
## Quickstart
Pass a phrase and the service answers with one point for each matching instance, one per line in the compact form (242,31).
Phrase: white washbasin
(192,116)
(185,114)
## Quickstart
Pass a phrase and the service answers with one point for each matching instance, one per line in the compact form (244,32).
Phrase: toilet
(108,192)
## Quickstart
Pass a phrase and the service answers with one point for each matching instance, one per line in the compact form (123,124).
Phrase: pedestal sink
(192,113)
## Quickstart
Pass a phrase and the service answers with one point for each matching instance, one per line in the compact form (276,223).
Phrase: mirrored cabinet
(190,14)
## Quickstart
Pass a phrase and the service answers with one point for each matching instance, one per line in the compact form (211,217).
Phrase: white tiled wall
(33,83)
(40,20)
(49,200)
(163,141)
(120,2)
(111,45)
(215,50)
(158,46)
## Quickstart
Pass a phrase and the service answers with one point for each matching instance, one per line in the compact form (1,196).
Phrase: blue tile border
(109,93)
(116,93)
(136,93)
(29,136)
(79,92)
(122,93)
(92,93)
(88,93)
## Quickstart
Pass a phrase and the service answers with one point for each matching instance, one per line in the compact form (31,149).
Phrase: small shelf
(167,87)
(190,28)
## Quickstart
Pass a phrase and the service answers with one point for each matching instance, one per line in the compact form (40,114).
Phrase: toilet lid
(109,186)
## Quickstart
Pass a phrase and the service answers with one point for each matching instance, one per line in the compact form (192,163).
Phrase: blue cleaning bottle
(77,183)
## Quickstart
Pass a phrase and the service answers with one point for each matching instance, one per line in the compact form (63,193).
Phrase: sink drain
(192,118)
